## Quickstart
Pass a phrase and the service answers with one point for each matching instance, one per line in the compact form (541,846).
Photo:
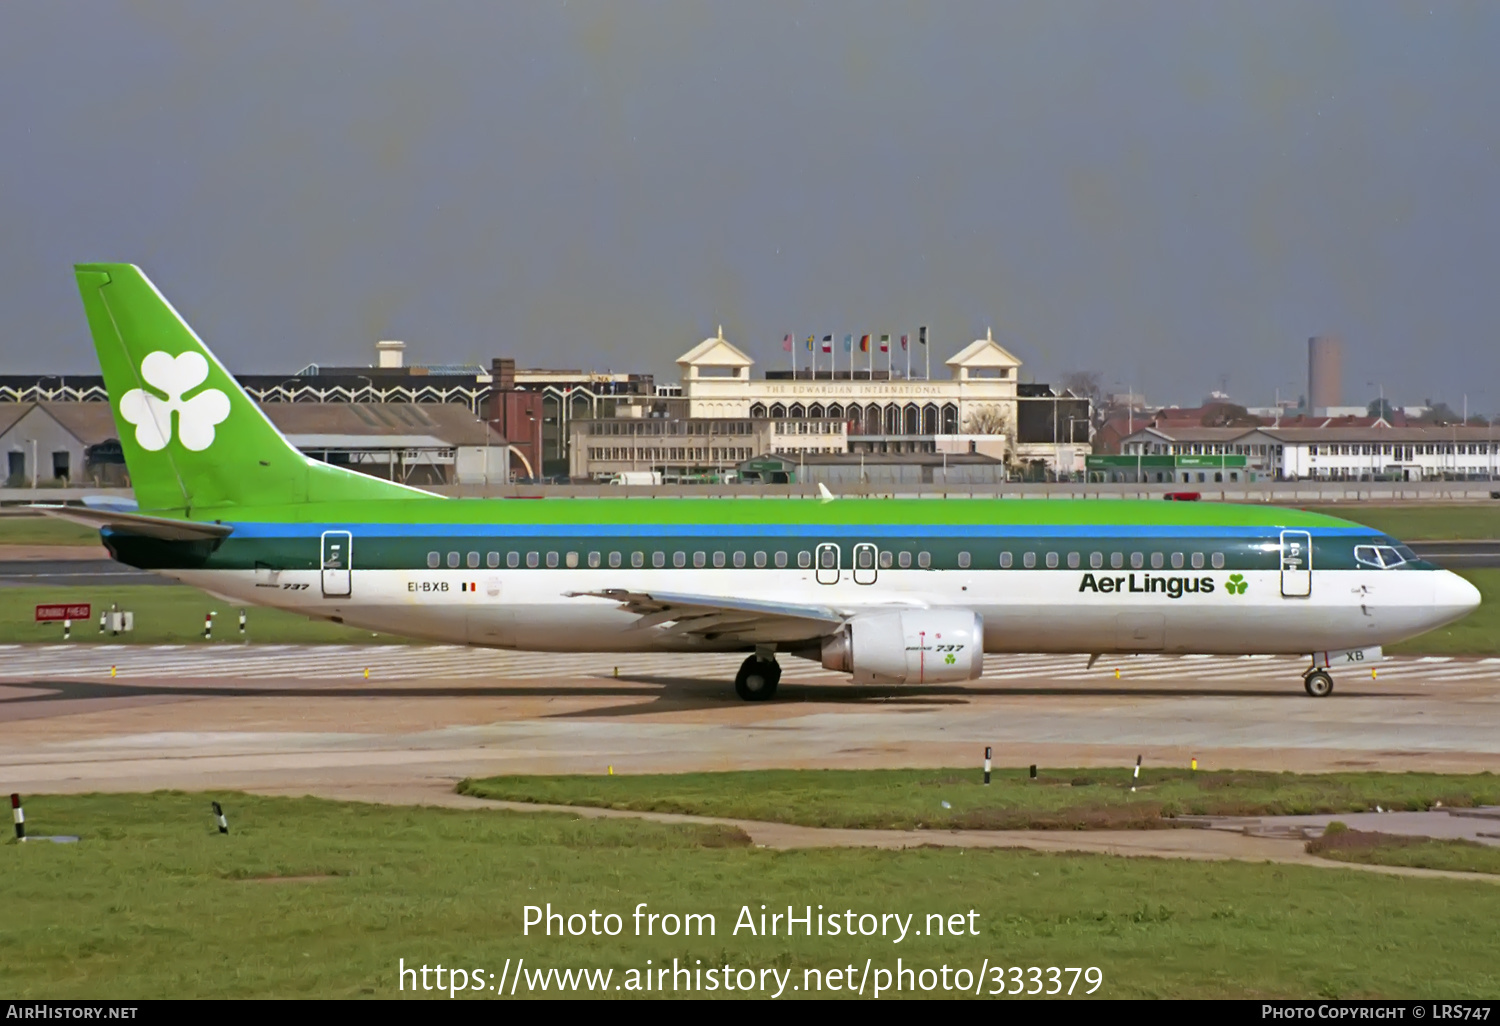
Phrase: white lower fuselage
(1023,610)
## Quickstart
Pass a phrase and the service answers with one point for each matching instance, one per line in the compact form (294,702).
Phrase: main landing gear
(1318,683)
(757,679)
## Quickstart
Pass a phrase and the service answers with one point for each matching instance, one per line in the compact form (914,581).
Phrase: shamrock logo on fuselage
(1237,584)
(152,415)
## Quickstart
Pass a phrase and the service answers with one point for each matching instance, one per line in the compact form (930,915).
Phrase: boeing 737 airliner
(889,591)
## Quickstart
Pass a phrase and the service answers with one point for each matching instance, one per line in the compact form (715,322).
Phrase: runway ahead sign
(46,614)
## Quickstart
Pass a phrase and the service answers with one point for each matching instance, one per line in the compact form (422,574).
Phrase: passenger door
(1296,564)
(864,563)
(337,561)
(827,563)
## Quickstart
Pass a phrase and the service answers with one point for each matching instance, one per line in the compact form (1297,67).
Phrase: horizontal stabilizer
(121,522)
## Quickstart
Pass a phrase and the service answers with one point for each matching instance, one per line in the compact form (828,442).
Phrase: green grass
(25,529)
(1397,850)
(310,898)
(1423,523)
(1057,799)
(1477,634)
(165,614)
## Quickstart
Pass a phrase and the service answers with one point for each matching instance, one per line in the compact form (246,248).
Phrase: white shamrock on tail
(196,417)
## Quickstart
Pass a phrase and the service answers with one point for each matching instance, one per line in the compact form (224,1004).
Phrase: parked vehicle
(637,477)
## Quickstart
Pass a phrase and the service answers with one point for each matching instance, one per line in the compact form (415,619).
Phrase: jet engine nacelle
(912,646)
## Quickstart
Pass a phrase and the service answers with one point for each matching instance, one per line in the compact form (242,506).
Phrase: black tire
(1318,684)
(757,679)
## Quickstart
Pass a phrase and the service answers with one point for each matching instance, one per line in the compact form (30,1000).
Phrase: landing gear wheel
(757,679)
(1318,683)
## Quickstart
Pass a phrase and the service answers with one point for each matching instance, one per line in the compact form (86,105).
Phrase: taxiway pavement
(305,720)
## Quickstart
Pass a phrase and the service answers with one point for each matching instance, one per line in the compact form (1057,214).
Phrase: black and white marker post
(208,626)
(986,765)
(1137,774)
(242,623)
(219,815)
(67,629)
(19,815)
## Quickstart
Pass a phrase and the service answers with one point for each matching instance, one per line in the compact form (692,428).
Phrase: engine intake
(915,646)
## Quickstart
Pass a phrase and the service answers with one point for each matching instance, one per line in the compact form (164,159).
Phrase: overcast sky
(1169,194)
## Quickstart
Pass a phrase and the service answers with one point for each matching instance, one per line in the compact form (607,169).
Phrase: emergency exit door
(336,563)
(827,556)
(1296,564)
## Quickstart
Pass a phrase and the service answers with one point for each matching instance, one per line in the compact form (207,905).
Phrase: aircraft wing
(718,617)
(124,522)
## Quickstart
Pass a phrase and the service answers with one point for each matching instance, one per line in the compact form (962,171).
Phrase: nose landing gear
(1318,683)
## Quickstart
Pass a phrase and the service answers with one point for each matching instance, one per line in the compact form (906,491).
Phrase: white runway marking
(438,662)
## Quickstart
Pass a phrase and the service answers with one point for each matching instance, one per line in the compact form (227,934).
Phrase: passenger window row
(616,559)
(1380,556)
(1138,560)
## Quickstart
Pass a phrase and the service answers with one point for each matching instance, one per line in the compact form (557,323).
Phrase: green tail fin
(192,437)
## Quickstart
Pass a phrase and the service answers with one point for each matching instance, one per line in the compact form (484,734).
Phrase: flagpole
(906,348)
(794,356)
(926,354)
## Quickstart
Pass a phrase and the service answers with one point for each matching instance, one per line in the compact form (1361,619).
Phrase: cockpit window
(1381,557)
(1391,556)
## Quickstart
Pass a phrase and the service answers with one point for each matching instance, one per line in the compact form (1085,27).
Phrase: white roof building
(1336,453)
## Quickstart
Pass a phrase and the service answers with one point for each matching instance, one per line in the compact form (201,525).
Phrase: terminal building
(980,409)
(592,426)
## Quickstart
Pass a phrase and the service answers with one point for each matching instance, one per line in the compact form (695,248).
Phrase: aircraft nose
(1454,596)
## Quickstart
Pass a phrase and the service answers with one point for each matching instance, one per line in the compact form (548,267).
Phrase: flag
(904,339)
(885,343)
(922,335)
(786,343)
(864,343)
(810,340)
(848,343)
(827,343)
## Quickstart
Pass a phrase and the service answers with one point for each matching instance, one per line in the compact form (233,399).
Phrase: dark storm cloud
(1163,192)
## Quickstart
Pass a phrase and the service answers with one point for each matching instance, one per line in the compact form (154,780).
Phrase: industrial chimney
(1325,358)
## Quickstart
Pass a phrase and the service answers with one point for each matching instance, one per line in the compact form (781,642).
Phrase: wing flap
(718,616)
